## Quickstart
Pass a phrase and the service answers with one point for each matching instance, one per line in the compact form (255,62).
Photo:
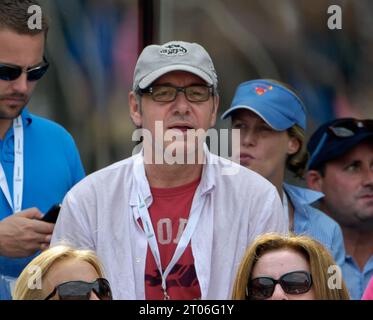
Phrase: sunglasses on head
(346,128)
(81,290)
(296,282)
(10,72)
(343,128)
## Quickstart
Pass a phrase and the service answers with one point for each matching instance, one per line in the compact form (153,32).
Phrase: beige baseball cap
(157,60)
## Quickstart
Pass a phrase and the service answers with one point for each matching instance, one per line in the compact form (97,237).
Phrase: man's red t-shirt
(169,214)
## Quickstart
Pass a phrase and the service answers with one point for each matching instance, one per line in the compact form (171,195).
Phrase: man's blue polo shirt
(52,166)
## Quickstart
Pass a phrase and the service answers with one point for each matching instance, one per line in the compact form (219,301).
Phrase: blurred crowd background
(93,46)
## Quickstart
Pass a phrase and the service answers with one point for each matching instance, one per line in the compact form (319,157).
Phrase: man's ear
(314,180)
(135,109)
(214,114)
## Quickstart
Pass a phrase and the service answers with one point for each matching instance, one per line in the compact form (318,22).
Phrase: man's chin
(362,221)
(10,112)
(180,152)
(366,216)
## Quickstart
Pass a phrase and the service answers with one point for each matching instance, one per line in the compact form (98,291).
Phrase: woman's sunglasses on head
(81,290)
(296,282)
(10,72)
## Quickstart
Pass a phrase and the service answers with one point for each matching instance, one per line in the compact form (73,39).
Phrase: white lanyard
(286,207)
(16,203)
(183,242)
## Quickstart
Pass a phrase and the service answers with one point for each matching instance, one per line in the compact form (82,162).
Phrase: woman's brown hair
(318,257)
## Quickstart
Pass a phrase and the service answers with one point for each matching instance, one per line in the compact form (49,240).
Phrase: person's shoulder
(236,176)
(49,128)
(315,215)
(308,195)
(126,166)
(117,172)
(45,123)
(323,219)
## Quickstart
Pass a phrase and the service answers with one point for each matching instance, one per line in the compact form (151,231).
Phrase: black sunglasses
(296,282)
(10,72)
(343,128)
(81,290)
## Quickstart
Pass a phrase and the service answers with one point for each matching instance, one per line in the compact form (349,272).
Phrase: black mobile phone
(52,214)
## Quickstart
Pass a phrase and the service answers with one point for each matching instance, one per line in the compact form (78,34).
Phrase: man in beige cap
(170,229)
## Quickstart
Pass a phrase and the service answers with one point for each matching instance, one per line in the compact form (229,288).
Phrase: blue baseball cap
(335,138)
(278,106)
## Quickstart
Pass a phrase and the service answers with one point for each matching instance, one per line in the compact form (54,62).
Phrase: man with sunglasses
(341,166)
(164,229)
(39,161)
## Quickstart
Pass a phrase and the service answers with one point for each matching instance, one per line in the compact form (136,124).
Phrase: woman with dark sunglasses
(63,273)
(278,267)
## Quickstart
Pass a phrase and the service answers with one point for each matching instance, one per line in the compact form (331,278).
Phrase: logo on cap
(173,50)
(262,90)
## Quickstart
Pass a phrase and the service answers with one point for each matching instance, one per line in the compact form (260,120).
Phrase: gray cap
(157,60)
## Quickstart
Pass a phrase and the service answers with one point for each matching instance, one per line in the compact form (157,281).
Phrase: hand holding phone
(52,214)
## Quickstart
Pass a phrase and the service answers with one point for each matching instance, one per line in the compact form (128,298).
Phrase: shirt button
(138,260)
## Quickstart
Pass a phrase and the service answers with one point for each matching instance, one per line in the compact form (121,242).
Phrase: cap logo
(262,90)
(173,50)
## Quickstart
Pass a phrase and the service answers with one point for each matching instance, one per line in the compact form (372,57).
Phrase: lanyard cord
(183,242)
(16,202)
(286,208)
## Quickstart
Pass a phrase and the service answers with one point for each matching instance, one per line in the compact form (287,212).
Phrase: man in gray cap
(166,229)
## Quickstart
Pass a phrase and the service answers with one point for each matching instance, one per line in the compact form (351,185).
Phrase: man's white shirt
(100,213)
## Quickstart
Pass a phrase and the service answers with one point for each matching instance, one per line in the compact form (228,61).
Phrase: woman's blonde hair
(318,257)
(40,266)
(297,162)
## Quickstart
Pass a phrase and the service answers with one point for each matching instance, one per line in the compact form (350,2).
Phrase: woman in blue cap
(271,118)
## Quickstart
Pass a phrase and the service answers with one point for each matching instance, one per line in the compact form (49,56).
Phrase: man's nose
(368,177)
(21,84)
(181,103)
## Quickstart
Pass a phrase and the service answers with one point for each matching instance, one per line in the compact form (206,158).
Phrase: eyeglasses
(296,282)
(343,128)
(81,290)
(164,93)
(10,72)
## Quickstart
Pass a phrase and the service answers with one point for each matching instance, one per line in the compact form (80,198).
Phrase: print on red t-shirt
(169,213)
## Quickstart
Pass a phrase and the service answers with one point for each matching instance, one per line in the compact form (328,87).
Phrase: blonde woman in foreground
(277,267)
(63,273)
